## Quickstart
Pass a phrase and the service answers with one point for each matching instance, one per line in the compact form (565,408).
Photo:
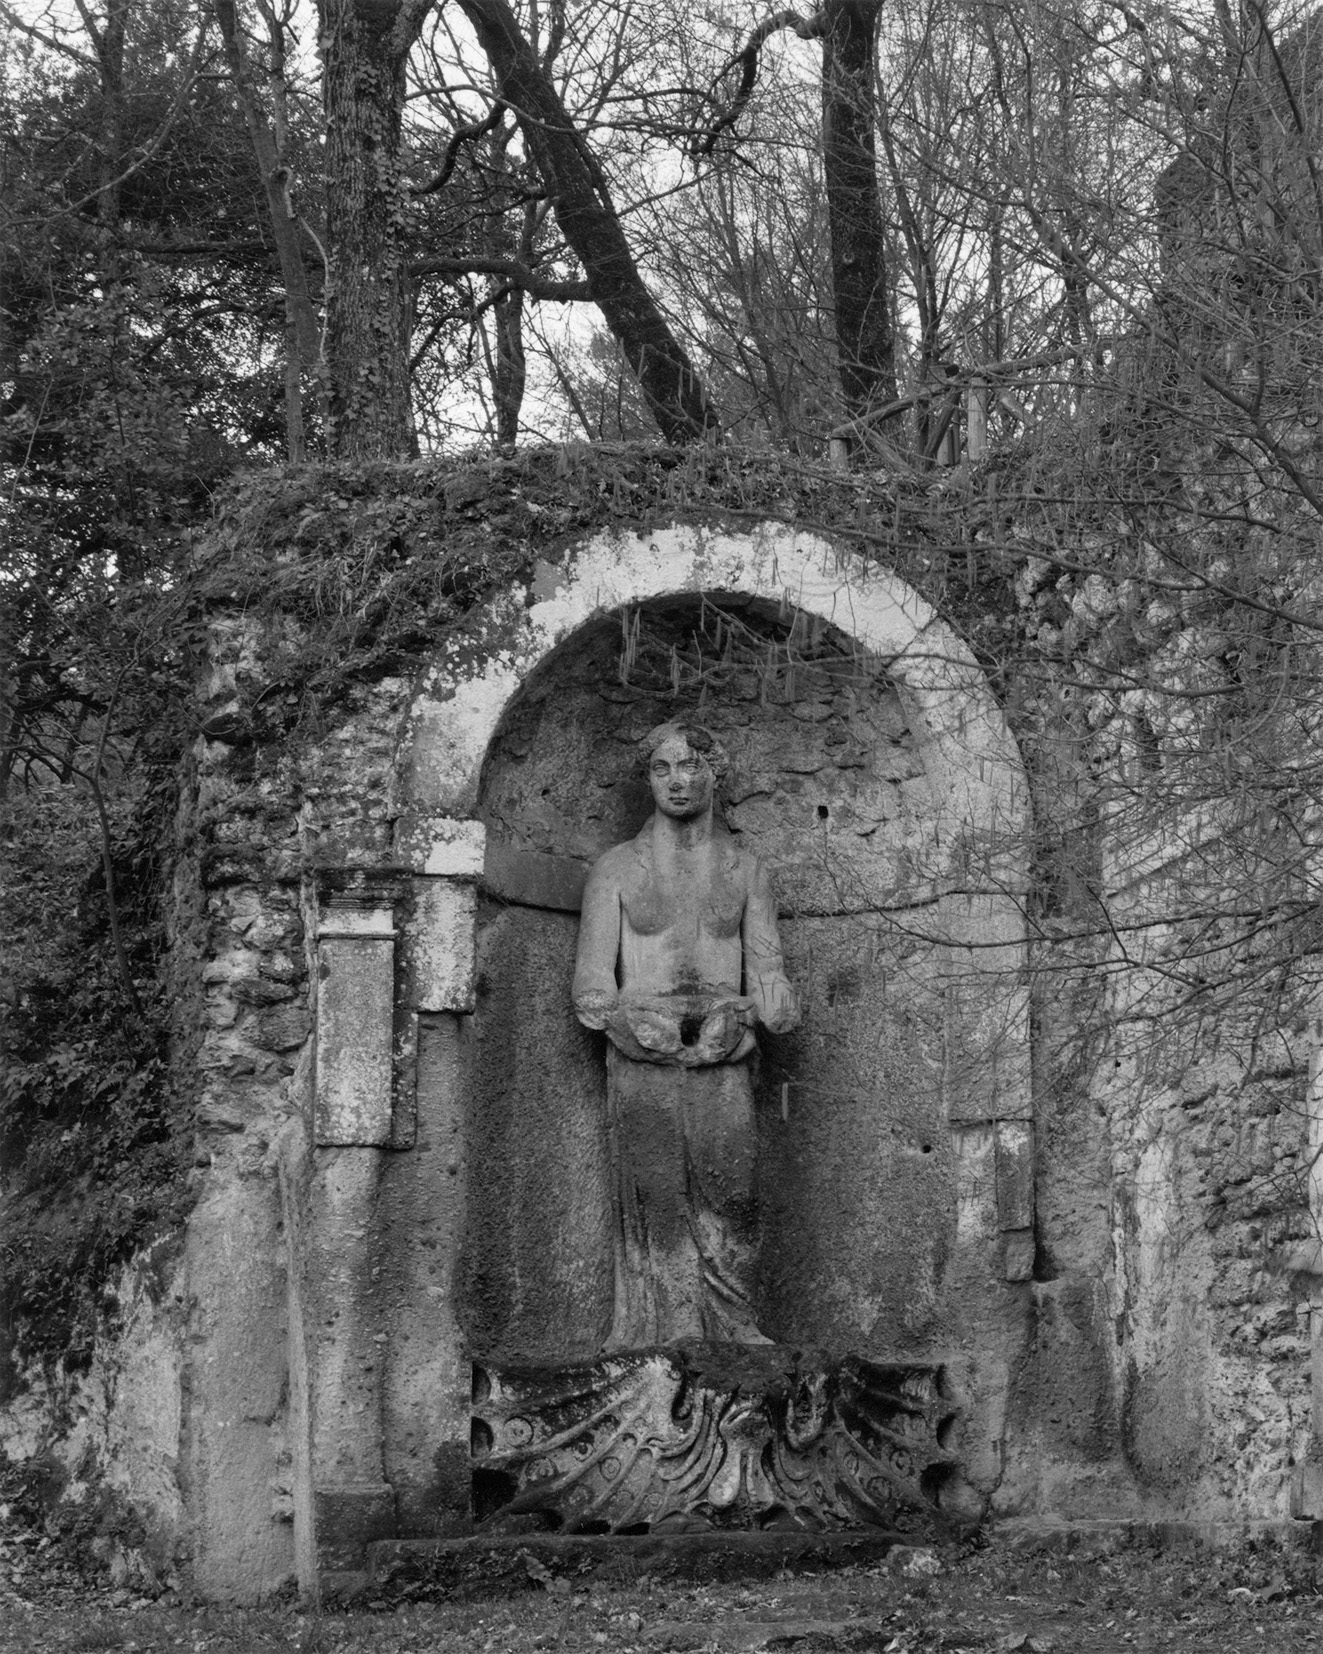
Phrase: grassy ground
(1004,1598)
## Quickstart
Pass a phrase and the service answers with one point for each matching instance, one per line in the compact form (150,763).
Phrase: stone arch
(379,1356)
(398,993)
(976,844)
(462,698)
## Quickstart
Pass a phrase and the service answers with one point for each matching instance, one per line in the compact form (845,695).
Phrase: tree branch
(747,59)
(513,271)
(461,135)
(581,198)
(51,40)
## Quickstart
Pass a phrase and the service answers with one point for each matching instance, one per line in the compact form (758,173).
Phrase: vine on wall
(1140,641)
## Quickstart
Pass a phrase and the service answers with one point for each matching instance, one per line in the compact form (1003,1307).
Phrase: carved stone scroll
(712,1435)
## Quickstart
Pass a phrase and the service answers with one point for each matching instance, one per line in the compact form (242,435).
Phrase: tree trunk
(108,43)
(865,344)
(302,334)
(588,220)
(510,375)
(364,44)
(508,368)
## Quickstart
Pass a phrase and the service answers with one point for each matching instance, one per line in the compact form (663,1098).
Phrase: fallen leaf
(917,1562)
(536,1571)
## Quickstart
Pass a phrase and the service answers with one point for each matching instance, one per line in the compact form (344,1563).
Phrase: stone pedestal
(714,1436)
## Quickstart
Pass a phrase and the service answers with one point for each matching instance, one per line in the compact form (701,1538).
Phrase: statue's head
(684,763)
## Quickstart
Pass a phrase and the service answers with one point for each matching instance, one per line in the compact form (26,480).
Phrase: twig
(461,135)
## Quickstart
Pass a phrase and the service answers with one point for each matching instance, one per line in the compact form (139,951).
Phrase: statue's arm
(765,980)
(595,992)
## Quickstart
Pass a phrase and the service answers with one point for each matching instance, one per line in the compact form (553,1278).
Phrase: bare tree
(861,293)
(582,201)
(364,47)
(269,130)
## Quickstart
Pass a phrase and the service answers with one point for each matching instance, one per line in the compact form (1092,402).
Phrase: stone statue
(679,960)
(691,1418)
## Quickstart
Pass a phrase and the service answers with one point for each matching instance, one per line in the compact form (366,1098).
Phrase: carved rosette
(718,1436)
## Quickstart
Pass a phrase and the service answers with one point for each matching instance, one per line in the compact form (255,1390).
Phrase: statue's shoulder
(619,862)
(737,860)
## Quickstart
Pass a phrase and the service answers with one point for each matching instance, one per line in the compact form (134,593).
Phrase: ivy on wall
(94,1146)
(1141,636)
(374,564)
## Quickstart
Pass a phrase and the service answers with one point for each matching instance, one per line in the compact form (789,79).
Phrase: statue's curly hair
(698,736)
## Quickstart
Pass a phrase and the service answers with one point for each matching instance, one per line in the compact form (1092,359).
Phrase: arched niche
(896,1142)
(972,759)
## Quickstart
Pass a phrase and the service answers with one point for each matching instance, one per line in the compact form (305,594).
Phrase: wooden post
(976,419)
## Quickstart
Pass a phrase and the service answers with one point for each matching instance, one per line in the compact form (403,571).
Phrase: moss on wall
(356,574)
(1138,634)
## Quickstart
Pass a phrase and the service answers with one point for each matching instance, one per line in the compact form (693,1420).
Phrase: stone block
(355,1006)
(343,1313)
(1018,1254)
(349,1518)
(282,1028)
(1015,1175)
(234,1389)
(974,1149)
(369,922)
(1068,1395)
(258,990)
(428,1378)
(1307,1490)
(291,1158)
(441,945)
(534,879)
(444,846)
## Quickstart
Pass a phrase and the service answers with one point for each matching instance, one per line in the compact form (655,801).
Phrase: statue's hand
(780,1006)
(594,1007)
(727,1029)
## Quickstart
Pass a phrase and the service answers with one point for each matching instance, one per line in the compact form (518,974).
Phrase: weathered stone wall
(485,1127)
(278,828)
(1130,1325)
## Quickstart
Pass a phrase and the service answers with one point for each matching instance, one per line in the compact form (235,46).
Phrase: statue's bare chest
(697,900)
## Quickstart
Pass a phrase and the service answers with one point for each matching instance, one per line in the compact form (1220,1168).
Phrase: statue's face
(681,779)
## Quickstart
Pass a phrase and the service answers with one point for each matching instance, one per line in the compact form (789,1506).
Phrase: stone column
(987,1080)
(352,1501)
(1307,1483)
(989,1105)
(429,1380)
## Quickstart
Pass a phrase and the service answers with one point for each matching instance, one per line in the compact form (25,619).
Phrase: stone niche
(403,1225)
(448,1211)
(829,786)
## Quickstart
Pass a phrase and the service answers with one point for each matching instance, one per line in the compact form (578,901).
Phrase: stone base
(714,1436)
(1103,1535)
(1307,1490)
(349,1518)
(420,1569)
